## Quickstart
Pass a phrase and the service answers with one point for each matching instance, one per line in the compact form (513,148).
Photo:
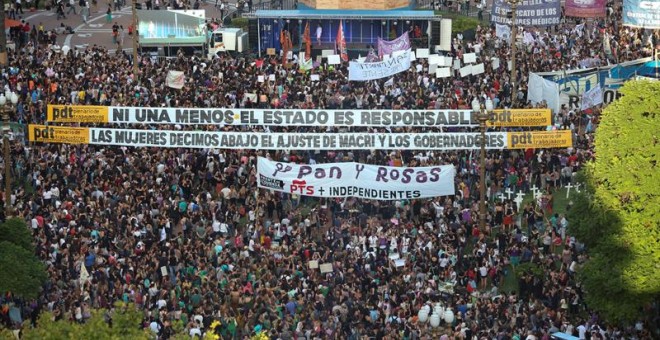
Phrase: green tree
(125,324)
(15,231)
(20,269)
(617,217)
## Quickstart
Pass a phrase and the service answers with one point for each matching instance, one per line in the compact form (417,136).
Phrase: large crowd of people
(186,236)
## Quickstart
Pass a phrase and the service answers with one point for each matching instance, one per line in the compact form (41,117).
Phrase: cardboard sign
(334,59)
(442,72)
(469,58)
(270,51)
(326,268)
(457,64)
(434,59)
(495,63)
(478,69)
(466,71)
(313,264)
(422,53)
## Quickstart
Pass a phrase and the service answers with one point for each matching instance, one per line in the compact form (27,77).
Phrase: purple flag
(401,43)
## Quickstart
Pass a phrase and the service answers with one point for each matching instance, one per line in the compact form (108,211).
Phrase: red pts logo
(301,187)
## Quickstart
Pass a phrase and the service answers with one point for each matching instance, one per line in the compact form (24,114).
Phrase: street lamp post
(514,35)
(135,40)
(483,113)
(13,98)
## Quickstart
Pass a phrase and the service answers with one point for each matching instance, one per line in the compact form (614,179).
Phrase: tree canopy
(15,231)
(126,324)
(618,216)
(21,270)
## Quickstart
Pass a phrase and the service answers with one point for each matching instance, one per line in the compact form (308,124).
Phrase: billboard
(172,27)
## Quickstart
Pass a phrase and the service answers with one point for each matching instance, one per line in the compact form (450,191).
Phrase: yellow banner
(539,139)
(58,134)
(520,118)
(77,114)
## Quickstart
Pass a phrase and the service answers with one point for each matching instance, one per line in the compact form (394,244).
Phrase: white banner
(382,69)
(540,89)
(356,180)
(268,117)
(592,98)
(298,140)
(295,141)
(276,141)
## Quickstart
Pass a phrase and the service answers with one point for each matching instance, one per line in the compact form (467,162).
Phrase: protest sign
(271,141)
(377,70)
(334,59)
(386,47)
(641,13)
(175,79)
(262,140)
(190,116)
(422,53)
(528,13)
(356,180)
(592,98)
(442,72)
(469,58)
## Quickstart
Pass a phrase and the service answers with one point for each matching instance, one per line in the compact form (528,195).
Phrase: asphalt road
(97,30)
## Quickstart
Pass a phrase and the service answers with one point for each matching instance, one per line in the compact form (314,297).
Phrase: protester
(188,238)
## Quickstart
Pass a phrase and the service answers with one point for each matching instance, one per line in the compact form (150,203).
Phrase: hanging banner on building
(540,139)
(275,141)
(349,118)
(388,47)
(356,180)
(641,13)
(370,71)
(585,8)
(528,13)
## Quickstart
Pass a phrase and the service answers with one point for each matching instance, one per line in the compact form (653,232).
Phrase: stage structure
(362,28)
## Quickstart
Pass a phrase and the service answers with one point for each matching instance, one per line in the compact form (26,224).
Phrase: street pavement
(97,31)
